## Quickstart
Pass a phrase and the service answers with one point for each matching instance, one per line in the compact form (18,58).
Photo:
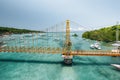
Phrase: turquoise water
(33,66)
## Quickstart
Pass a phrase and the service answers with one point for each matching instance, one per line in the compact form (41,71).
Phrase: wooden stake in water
(33,40)
(117,32)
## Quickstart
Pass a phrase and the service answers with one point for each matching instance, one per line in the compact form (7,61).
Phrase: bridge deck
(59,51)
(31,50)
(95,53)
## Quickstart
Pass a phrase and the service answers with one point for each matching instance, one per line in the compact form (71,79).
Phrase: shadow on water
(115,69)
(55,62)
(30,61)
(93,64)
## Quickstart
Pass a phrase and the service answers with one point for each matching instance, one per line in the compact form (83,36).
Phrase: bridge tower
(67,47)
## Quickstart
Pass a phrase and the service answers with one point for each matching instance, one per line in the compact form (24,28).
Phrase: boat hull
(116,65)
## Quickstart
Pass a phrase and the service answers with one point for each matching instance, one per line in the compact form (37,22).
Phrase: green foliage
(75,35)
(15,31)
(107,34)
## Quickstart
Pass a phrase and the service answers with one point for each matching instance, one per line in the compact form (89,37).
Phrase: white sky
(38,14)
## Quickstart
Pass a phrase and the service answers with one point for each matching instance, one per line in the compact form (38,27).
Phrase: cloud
(77,29)
(49,12)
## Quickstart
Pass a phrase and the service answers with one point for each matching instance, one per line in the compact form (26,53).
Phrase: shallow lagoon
(28,66)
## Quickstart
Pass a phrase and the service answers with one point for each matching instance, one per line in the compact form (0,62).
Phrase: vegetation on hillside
(4,30)
(75,35)
(107,34)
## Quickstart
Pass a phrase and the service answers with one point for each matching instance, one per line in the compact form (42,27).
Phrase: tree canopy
(107,34)
(4,30)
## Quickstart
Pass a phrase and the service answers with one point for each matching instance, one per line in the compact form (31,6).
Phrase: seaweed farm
(59,40)
(33,66)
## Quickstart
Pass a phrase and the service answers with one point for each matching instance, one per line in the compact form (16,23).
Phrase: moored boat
(56,39)
(116,48)
(95,46)
(116,65)
(116,45)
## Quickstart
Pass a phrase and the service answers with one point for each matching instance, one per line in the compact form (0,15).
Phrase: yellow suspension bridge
(65,50)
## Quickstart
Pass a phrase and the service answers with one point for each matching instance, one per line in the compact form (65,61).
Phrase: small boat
(42,34)
(2,42)
(116,48)
(28,35)
(5,35)
(116,65)
(116,45)
(56,39)
(3,46)
(95,46)
(12,38)
(92,46)
(67,59)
